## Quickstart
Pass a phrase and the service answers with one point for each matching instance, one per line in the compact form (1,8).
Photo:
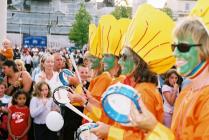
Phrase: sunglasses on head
(183,47)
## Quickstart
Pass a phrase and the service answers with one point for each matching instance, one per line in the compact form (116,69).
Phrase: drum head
(54,121)
(60,95)
(83,132)
(64,75)
(117,101)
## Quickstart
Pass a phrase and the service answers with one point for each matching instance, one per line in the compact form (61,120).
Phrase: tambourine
(83,132)
(54,121)
(60,97)
(117,100)
(64,75)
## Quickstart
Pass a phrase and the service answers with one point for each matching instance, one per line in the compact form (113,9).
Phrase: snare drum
(64,75)
(117,100)
(83,132)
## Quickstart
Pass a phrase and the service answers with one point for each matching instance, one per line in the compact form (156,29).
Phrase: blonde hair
(37,90)
(43,59)
(21,63)
(194,27)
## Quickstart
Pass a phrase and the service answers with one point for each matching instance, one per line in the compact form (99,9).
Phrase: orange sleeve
(123,133)
(160,132)
(100,84)
(152,99)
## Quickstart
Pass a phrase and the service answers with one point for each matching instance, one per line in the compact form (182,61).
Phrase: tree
(168,11)
(122,12)
(80,28)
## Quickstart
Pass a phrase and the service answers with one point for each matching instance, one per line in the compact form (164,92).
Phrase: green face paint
(94,62)
(126,62)
(108,61)
(186,61)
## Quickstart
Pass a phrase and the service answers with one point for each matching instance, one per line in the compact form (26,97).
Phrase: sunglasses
(183,47)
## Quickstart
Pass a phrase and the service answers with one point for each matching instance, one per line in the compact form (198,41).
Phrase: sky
(157,3)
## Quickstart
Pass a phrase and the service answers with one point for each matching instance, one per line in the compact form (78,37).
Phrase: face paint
(109,62)
(126,62)
(186,61)
(94,62)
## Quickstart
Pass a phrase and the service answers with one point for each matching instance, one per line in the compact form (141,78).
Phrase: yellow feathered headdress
(201,9)
(112,32)
(94,41)
(150,36)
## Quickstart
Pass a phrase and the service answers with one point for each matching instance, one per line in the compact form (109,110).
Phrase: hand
(73,80)
(143,120)
(42,76)
(176,86)
(17,84)
(75,98)
(44,101)
(101,131)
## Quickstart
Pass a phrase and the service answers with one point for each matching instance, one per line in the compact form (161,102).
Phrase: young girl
(170,92)
(40,106)
(18,117)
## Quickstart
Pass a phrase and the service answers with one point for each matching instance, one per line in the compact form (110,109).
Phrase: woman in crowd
(20,65)
(48,74)
(191,48)
(16,79)
(170,91)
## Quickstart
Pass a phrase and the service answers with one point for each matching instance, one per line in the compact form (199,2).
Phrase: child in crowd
(19,117)
(40,106)
(4,101)
(170,92)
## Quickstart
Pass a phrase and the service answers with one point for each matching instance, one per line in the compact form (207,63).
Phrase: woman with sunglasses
(140,67)
(190,119)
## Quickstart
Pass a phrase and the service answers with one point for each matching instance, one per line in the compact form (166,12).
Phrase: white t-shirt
(167,107)
(54,82)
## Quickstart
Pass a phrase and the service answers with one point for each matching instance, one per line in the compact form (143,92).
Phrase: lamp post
(3,17)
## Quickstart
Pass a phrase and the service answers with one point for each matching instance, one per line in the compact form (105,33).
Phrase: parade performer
(191,49)
(147,52)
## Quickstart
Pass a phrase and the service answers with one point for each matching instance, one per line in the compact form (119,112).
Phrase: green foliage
(168,11)
(122,12)
(80,28)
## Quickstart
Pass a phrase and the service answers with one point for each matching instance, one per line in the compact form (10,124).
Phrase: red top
(19,120)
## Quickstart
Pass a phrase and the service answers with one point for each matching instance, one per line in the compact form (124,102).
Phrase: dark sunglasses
(183,47)
(123,57)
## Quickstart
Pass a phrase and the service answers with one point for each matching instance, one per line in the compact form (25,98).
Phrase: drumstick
(75,67)
(71,107)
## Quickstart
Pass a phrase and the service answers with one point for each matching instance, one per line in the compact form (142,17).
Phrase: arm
(170,97)
(27,81)
(34,109)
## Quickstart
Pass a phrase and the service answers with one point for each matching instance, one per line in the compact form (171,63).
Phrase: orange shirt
(99,84)
(191,115)
(153,101)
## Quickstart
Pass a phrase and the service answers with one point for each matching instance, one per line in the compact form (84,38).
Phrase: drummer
(190,119)
(111,38)
(141,59)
